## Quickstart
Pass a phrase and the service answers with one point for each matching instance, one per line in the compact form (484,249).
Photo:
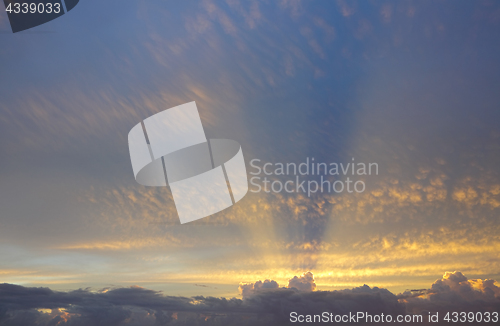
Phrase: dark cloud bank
(263,303)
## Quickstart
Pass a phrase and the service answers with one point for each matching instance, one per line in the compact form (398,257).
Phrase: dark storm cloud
(138,306)
(455,292)
(265,304)
(83,307)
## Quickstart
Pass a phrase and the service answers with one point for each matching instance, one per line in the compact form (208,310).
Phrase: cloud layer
(302,283)
(454,292)
(264,303)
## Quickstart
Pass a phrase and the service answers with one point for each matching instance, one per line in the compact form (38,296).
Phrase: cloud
(458,284)
(138,306)
(454,292)
(252,16)
(328,30)
(313,43)
(386,13)
(223,19)
(268,304)
(304,283)
(346,9)
(199,25)
(249,289)
(202,285)
(294,6)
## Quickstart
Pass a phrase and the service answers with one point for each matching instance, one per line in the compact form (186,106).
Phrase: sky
(409,85)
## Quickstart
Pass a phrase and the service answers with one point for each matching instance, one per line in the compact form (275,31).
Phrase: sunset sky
(411,85)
